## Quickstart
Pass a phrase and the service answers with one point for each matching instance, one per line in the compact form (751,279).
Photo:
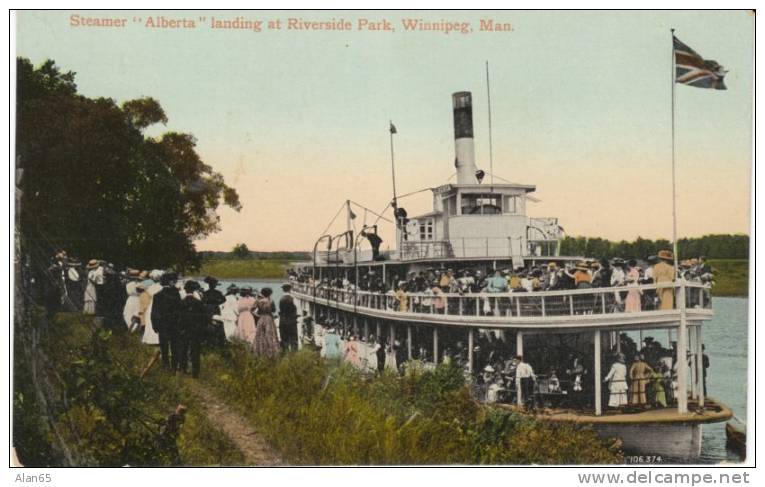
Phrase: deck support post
(470,350)
(435,345)
(409,341)
(700,364)
(392,335)
(366,329)
(379,331)
(682,360)
(598,381)
(694,372)
(519,351)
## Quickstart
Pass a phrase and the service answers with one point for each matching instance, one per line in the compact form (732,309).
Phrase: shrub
(328,413)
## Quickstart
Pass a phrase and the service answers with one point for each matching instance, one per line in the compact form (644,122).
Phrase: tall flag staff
(688,68)
(491,152)
(394,203)
(392,166)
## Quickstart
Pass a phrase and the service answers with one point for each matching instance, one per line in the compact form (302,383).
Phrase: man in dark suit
(192,324)
(213,299)
(288,320)
(164,315)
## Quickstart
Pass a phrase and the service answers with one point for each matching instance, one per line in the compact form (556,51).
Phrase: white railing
(594,301)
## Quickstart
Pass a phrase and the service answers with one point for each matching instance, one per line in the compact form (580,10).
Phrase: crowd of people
(423,291)
(565,378)
(180,316)
(177,315)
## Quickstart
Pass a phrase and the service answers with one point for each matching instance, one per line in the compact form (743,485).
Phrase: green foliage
(711,246)
(244,268)
(328,413)
(95,185)
(103,410)
(241,251)
(731,277)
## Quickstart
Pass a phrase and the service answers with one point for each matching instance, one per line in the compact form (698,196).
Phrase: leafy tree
(95,185)
(241,251)
(712,246)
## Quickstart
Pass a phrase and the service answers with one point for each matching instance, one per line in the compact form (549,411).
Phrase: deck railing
(594,301)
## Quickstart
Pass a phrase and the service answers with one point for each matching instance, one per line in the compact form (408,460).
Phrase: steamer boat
(486,226)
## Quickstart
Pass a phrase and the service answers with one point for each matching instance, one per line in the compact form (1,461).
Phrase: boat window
(426,229)
(451,205)
(481,204)
(511,204)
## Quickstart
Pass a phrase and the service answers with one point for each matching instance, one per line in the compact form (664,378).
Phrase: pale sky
(297,121)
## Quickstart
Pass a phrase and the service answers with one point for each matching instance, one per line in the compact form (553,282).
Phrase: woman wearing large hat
(245,324)
(617,383)
(228,311)
(664,272)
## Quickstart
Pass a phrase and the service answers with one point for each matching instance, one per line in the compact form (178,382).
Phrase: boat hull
(655,442)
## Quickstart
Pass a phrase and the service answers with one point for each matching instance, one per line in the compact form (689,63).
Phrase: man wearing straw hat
(664,272)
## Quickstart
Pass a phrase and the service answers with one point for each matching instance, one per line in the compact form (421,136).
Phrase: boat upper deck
(540,310)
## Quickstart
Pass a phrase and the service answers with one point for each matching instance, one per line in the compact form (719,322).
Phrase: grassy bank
(731,277)
(98,408)
(244,268)
(317,412)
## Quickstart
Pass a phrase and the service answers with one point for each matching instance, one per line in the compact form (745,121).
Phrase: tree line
(94,184)
(718,246)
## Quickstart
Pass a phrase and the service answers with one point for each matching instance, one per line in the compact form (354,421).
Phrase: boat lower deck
(712,412)
(657,435)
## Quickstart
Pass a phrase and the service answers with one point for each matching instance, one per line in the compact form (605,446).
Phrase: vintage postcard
(298,238)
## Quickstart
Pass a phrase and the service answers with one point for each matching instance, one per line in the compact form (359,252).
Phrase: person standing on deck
(266,342)
(164,316)
(288,320)
(617,383)
(632,303)
(402,298)
(525,378)
(374,241)
(664,272)
(705,364)
(640,373)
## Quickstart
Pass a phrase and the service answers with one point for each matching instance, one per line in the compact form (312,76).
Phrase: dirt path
(237,428)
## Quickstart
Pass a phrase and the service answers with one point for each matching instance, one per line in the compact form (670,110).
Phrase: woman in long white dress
(132,306)
(229,312)
(617,383)
(95,276)
(150,337)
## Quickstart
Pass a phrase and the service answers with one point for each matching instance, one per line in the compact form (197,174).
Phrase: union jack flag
(693,70)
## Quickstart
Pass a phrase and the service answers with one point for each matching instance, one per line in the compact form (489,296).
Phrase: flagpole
(674,197)
(491,152)
(682,337)
(392,166)
(399,230)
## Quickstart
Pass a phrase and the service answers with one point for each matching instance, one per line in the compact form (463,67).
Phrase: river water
(725,338)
